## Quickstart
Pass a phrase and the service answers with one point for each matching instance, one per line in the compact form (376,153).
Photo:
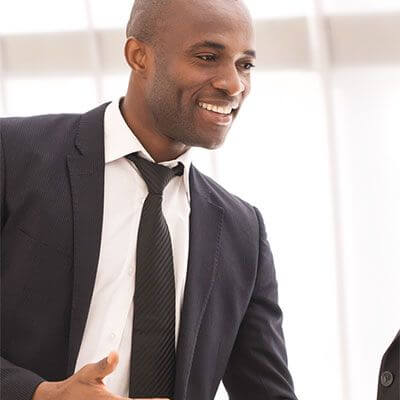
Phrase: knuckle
(85,368)
(84,371)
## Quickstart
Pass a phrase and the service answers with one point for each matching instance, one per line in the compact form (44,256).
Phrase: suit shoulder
(229,200)
(35,125)
(46,132)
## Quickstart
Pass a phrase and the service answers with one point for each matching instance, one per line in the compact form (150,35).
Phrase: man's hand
(85,384)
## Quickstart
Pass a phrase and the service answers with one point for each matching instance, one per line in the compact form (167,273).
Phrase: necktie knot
(156,176)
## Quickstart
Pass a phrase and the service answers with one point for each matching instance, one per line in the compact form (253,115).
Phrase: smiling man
(114,247)
(191,73)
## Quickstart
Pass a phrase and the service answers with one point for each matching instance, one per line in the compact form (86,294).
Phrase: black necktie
(153,335)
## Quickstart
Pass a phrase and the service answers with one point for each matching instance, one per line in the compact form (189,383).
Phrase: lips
(215,118)
(219,106)
(227,109)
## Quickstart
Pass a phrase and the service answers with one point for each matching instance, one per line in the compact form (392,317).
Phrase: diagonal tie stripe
(153,334)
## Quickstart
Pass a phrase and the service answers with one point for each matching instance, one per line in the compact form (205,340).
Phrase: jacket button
(386,379)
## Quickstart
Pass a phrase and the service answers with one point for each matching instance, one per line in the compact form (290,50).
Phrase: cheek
(189,78)
(247,85)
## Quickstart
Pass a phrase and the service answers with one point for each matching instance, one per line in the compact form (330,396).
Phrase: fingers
(113,359)
(101,369)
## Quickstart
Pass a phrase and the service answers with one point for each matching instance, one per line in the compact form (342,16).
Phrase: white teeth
(217,109)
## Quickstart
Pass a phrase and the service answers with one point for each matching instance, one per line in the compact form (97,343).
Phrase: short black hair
(146,19)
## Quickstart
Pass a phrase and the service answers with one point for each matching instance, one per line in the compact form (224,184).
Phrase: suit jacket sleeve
(15,383)
(2,184)
(257,366)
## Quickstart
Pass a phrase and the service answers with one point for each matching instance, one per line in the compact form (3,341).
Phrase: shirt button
(130,272)
(386,379)
(113,336)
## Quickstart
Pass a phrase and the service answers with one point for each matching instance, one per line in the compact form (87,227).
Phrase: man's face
(201,72)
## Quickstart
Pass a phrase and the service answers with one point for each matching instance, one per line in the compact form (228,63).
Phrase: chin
(207,140)
(213,140)
(211,144)
(216,145)
(217,142)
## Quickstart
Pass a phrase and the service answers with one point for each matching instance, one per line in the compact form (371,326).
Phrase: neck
(160,147)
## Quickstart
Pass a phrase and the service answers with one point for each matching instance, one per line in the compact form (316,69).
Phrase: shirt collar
(120,140)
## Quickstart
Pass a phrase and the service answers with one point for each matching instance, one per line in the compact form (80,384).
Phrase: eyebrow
(217,46)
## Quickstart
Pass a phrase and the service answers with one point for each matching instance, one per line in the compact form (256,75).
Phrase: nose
(229,81)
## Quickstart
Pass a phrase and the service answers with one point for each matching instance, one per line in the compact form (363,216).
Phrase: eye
(208,57)
(249,66)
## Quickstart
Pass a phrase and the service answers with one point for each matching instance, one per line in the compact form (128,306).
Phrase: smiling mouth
(222,110)
(216,115)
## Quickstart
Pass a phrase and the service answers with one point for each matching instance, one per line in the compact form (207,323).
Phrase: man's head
(187,56)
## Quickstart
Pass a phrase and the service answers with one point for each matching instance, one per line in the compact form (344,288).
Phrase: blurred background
(316,148)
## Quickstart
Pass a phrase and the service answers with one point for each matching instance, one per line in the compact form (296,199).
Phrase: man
(105,221)
(389,377)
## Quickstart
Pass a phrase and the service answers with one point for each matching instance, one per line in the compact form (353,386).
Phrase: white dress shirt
(110,319)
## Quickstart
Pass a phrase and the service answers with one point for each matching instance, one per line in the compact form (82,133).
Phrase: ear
(137,55)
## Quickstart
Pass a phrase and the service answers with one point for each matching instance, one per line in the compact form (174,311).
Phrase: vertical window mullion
(3,99)
(321,51)
(94,48)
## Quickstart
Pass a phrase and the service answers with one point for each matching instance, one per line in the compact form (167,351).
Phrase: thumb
(102,368)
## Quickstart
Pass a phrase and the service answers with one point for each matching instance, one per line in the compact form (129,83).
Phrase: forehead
(223,21)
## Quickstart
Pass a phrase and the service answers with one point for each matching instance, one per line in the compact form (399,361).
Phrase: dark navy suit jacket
(52,185)
(389,377)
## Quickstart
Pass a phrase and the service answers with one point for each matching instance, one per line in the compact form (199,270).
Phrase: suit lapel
(86,169)
(206,220)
